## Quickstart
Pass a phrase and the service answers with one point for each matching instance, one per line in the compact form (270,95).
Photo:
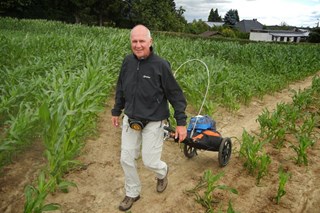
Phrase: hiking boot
(128,202)
(162,183)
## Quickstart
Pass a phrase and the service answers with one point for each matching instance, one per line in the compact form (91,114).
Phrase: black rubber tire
(225,151)
(189,151)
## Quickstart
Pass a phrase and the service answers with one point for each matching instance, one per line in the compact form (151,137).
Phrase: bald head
(141,29)
(141,41)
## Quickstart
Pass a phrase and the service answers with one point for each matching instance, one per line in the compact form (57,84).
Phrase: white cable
(206,93)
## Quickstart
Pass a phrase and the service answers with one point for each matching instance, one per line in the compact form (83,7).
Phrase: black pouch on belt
(137,124)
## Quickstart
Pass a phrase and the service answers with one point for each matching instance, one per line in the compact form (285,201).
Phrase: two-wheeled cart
(203,136)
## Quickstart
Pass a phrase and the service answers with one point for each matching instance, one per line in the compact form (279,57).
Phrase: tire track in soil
(100,183)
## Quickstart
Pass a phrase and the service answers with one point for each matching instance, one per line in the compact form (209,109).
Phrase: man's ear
(150,42)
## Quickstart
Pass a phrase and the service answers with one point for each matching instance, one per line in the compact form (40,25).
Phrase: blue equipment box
(200,123)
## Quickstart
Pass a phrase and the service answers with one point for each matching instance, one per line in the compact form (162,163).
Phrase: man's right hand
(115,121)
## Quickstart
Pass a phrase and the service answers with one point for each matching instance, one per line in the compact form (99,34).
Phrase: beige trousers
(149,141)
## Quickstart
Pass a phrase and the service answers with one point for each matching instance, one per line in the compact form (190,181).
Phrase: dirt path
(100,185)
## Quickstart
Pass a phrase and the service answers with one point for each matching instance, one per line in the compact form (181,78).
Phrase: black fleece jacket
(144,88)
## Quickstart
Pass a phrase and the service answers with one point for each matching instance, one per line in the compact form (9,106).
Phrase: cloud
(271,12)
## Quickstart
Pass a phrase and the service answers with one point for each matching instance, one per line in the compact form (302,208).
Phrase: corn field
(55,80)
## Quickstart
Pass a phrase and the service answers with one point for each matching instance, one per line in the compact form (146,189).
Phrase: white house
(278,35)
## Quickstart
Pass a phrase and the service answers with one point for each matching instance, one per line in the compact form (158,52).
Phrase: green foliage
(227,32)
(314,35)
(304,142)
(23,130)
(35,197)
(249,151)
(298,119)
(158,15)
(197,27)
(54,95)
(209,183)
(273,127)
(242,35)
(263,164)
(283,178)
(231,17)
(255,160)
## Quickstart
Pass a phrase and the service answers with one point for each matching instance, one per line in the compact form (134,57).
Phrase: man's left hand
(181,133)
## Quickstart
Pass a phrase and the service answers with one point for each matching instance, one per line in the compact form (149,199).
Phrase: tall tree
(211,15)
(214,16)
(158,15)
(231,17)
(113,12)
(81,9)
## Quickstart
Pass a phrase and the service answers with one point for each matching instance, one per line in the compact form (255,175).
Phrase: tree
(111,12)
(158,15)
(9,4)
(13,7)
(214,16)
(231,17)
(314,35)
(80,9)
(211,15)
(197,27)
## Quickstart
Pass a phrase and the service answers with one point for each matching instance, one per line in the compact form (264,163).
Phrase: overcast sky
(300,13)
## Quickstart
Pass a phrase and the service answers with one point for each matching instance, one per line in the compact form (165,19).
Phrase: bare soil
(100,183)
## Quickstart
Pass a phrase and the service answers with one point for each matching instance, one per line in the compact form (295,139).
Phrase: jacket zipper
(135,93)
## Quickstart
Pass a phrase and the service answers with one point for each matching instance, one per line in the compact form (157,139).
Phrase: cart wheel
(225,150)
(189,151)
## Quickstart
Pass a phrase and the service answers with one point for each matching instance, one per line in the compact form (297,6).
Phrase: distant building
(214,24)
(248,25)
(279,35)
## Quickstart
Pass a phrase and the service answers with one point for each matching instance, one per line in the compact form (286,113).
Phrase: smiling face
(141,41)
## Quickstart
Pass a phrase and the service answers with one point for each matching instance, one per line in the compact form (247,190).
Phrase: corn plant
(35,197)
(307,128)
(18,136)
(302,99)
(304,142)
(283,178)
(249,151)
(263,165)
(255,160)
(272,126)
(208,183)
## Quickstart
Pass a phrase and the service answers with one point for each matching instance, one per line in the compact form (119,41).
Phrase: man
(144,87)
